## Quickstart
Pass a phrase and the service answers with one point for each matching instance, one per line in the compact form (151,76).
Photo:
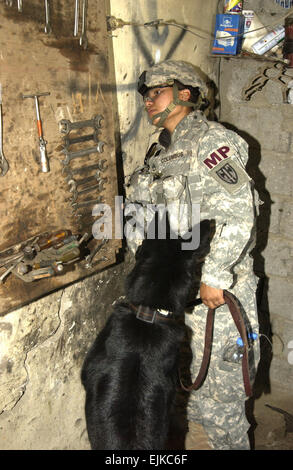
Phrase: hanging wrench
(65,126)
(78,205)
(80,153)
(98,186)
(83,191)
(85,169)
(75,183)
(91,256)
(48,28)
(19,5)
(4,167)
(76,18)
(83,42)
(83,138)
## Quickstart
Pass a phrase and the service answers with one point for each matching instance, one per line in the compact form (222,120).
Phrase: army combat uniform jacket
(205,164)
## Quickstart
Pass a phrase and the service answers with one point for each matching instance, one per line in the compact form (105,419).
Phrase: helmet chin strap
(164,114)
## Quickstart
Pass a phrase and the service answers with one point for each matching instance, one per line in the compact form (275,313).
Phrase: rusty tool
(76,206)
(70,172)
(65,126)
(93,253)
(82,138)
(44,161)
(4,167)
(80,153)
(75,183)
(83,41)
(88,189)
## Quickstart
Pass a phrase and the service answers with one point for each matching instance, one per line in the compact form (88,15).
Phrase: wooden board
(80,83)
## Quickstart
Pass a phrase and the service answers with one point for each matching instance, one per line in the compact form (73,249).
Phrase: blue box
(228,34)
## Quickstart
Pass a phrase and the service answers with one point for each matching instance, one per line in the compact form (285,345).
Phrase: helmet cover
(164,73)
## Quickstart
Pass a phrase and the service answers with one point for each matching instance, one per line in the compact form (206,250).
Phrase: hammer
(42,143)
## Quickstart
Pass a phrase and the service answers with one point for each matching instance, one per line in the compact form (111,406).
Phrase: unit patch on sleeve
(225,170)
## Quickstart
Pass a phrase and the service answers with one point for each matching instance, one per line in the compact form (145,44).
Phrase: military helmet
(166,72)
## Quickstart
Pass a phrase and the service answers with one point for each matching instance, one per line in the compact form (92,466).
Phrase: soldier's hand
(211,296)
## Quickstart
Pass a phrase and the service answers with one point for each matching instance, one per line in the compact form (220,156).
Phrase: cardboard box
(228,34)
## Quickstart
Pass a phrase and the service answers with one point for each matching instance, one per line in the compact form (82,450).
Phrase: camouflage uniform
(205,164)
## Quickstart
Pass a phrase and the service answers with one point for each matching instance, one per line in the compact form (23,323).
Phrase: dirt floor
(270,430)
(274,430)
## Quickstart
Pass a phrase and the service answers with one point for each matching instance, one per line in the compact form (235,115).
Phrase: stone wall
(43,347)
(266,123)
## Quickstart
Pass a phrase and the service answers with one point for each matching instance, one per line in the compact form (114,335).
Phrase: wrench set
(82,171)
(83,40)
(85,187)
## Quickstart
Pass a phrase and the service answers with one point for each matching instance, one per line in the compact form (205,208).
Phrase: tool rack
(80,81)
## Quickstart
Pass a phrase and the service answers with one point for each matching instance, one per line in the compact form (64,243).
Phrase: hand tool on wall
(4,167)
(80,153)
(48,27)
(83,41)
(44,256)
(90,257)
(74,184)
(76,18)
(44,161)
(70,172)
(19,5)
(86,190)
(79,139)
(65,126)
(82,204)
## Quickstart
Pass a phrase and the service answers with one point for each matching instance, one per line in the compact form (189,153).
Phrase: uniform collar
(192,120)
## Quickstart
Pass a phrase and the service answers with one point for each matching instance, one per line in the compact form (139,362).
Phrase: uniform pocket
(173,187)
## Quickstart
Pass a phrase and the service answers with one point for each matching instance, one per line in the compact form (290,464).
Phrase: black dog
(130,373)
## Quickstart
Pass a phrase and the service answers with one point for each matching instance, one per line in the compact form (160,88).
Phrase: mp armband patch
(225,170)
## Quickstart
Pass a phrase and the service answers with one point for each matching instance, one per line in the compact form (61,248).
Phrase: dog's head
(163,274)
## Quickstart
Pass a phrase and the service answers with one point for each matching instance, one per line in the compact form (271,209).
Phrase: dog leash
(233,305)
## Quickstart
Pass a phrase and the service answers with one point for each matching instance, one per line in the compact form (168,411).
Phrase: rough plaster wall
(266,123)
(138,47)
(43,347)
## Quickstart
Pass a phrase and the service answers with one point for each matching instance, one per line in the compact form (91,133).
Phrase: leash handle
(231,301)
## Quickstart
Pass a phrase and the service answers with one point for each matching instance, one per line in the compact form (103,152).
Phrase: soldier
(201,162)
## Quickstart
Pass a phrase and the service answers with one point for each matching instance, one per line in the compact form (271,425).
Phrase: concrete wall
(43,344)
(138,47)
(266,123)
